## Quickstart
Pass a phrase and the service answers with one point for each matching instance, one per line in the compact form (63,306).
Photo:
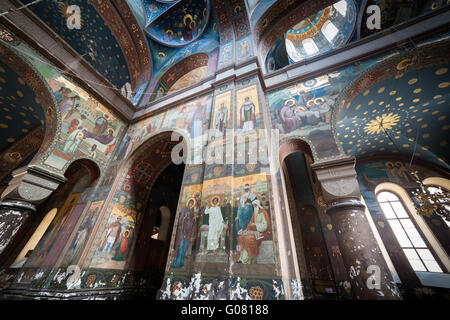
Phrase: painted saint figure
(122,246)
(73,141)
(184,233)
(245,209)
(258,230)
(288,118)
(221,120)
(113,233)
(248,117)
(216,224)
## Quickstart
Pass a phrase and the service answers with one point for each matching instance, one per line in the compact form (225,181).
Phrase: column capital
(338,181)
(31,185)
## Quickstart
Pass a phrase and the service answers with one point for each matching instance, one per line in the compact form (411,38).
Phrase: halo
(193,199)
(187,16)
(215,197)
(289,102)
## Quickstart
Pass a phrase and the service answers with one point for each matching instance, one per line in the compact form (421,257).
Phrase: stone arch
(80,175)
(177,73)
(43,93)
(130,191)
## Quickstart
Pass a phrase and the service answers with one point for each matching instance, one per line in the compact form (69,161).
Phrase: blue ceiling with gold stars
(187,22)
(20,110)
(94,40)
(390,116)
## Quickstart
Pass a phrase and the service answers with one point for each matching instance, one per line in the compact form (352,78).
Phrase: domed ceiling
(329,28)
(94,41)
(396,103)
(187,22)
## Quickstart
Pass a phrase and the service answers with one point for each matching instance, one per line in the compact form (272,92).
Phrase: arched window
(329,30)
(412,243)
(341,7)
(310,46)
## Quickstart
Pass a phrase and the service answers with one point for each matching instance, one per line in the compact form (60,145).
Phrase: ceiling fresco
(188,21)
(21,110)
(396,103)
(94,41)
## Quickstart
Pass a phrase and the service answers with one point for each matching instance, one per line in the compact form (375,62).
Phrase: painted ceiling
(396,104)
(21,111)
(187,22)
(94,41)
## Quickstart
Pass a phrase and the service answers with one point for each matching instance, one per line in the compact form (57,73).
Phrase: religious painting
(214,222)
(136,134)
(226,54)
(252,232)
(114,246)
(188,20)
(51,235)
(84,232)
(244,48)
(221,116)
(248,115)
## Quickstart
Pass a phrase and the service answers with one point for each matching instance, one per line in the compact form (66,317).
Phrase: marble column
(369,275)
(29,187)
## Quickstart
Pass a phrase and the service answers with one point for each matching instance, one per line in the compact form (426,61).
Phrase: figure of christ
(216,225)
(184,233)
(258,230)
(248,117)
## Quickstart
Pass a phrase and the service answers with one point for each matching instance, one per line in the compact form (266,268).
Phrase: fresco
(188,21)
(83,233)
(113,247)
(222,114)
(249,117)
(88,129)
(305,110)
(224,220)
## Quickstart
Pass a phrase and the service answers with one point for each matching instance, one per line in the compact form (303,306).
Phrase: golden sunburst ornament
(386,121)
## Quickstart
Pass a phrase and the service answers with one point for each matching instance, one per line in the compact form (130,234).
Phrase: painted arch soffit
(181,24)
(404,96)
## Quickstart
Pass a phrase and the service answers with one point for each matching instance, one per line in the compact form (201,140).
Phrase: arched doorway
(152,246)
(41,238)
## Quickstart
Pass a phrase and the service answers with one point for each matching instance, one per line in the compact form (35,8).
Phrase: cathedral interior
(225,149)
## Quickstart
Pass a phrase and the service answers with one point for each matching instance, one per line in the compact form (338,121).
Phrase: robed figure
(122,246)
(248,117)
(258,230)
(221,120)
(184,233)
(216,224)
(288,118)
(245,209)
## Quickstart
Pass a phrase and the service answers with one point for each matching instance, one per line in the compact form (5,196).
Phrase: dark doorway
(152,246)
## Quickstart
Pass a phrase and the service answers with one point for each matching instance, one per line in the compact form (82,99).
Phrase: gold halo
(290,102)
(389,164)
(215,197)
(187,16)
(193,199)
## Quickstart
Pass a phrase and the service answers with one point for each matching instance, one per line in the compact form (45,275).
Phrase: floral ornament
(256,293)
(386,121)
